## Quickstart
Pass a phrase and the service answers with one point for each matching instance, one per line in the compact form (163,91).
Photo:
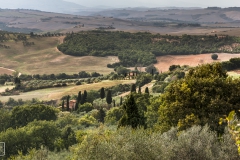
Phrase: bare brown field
(164,62)
(6,71)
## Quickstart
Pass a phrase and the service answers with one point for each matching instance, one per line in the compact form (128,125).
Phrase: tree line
(141,48)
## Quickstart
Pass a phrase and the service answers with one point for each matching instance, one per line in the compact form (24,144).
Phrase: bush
(173,67)
(125,143)
(78,83)
(86,107)
(214,56)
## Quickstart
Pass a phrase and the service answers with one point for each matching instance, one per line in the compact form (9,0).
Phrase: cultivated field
(6,71)
(44,58)
(57,93)
(164,62)
(161,21)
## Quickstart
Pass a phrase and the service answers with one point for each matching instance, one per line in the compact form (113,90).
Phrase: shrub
(86,107)
(125,143)
(214,56)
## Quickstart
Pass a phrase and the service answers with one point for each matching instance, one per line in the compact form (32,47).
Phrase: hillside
(164,21)
(44,58)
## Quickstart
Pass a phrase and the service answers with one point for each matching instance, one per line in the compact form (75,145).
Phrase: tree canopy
(203,96)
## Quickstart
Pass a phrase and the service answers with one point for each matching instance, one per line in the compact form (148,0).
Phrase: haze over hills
(58,6)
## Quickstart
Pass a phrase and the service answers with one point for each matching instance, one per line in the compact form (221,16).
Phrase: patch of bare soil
(164,62)
(6,71)
(237,71)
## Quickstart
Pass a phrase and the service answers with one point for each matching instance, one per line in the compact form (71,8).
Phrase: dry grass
(44,58)
(57,93)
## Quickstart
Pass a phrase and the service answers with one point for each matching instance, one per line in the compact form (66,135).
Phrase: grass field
(57,93)
(44,58)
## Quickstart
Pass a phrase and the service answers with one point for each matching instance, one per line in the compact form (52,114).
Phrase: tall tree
(114,104)
(109,97)
(84,97)
(78,100)
(101,115)
(121,100)
(17,82)
(147,90)
(68,98)
(139,90)
(133,88)
(131,115)
(204,96)
(63,105)
(102,93)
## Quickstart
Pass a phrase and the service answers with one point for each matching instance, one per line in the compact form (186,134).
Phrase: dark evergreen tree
(147,90)
(78,100)
(63,105)
(133,88)
(84,97)
(17,82)
(68,98)
(131,115)
(121,100)
(101,115)
(114,104)
(109,97)
(139,90)
(68,136)
(102,93)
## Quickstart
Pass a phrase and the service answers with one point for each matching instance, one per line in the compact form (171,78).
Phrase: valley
(127,83)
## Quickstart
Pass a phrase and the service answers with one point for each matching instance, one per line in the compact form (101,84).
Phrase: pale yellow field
(57,93)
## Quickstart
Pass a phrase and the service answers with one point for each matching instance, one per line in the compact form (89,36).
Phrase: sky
(158,3)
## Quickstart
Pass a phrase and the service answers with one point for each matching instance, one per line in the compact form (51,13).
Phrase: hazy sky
(158,3)
(41,4)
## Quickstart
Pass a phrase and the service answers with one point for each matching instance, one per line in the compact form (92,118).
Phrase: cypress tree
(78,100)
(62,105)
(84,97)
(114,104)
(101,115)
(139,90)
(133,88)
(147,90)
(102,93)
(109,97)
(131,115)
(121,101)
(68,98)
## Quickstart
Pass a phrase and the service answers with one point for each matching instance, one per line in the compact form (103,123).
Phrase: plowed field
(164,62)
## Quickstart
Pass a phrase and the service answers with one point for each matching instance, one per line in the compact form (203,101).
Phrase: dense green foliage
(203,96)
(141,48)
(143,79)
(232,64)
(132,116)
(214,56)
(22,115)
(126,143)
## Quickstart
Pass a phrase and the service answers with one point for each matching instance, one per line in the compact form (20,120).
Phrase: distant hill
(174,14)
(58,6)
